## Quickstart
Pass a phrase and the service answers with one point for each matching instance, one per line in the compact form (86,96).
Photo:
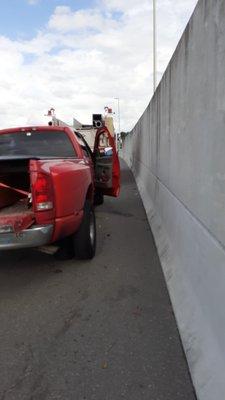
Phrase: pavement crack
(18,382)
(73,315)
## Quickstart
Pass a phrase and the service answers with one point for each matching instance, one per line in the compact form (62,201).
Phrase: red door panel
(107,168)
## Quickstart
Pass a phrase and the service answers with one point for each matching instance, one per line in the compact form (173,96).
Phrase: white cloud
(64,20)
(81,60)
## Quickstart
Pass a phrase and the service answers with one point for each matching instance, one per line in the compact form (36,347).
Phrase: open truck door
(107,165)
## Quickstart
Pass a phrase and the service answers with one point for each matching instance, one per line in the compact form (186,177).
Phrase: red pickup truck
(49,181)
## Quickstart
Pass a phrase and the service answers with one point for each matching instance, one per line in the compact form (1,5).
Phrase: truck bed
(17,217)
(19,208)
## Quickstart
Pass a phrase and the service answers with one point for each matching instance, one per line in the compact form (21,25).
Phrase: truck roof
(34,128)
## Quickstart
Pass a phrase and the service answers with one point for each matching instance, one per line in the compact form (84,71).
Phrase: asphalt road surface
(99,330)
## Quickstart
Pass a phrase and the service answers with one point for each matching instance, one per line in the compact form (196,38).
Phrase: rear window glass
(37,144)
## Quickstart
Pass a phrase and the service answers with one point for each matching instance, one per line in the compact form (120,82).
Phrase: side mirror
(108,151)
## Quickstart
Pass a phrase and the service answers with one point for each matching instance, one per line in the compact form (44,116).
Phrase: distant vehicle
(50,180)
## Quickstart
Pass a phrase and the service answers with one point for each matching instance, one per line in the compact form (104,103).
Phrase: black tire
(84,240)
(98,198)
(65,250)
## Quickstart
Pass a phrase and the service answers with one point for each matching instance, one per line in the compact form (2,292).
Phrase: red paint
(115,190)
(60,185)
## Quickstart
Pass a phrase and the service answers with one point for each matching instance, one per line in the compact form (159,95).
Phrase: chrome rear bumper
(36,236)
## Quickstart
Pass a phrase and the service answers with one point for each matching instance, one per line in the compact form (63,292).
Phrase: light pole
(118,103)
(154,47)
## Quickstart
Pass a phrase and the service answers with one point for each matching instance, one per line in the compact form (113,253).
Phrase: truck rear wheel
(98,198)
(84,240)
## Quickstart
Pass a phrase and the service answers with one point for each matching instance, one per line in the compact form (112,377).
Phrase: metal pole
(154,47)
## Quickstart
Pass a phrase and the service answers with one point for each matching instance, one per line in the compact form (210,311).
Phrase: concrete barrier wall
(177,154)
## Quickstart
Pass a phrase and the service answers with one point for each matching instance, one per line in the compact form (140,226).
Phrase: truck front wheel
(84,240)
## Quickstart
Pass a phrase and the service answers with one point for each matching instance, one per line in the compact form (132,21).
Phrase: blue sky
(77,56)
(19,19)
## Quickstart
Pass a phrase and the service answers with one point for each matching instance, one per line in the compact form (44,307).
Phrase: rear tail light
(43,192)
